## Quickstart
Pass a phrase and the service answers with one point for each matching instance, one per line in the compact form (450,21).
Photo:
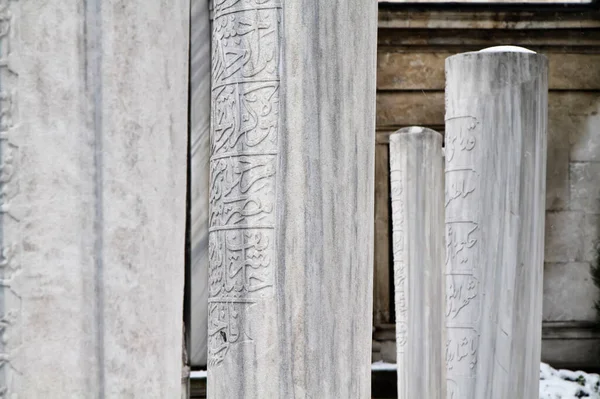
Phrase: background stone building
(413,42)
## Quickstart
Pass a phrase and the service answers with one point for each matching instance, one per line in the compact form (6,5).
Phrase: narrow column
(93,99)
(291,199)
(417,186)
(200,95)
(495,151)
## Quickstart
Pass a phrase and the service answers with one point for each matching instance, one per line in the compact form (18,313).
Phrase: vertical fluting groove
(93,29)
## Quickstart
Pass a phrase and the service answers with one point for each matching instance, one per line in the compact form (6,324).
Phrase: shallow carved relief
(457,144)
(461,184)
(227,326)
(241,263)
(242,191)
(461,352)
(453,391)
(245,118)
(462,299)
(244,134)
(461,245)
(463,239)
(400,267)
(10,219)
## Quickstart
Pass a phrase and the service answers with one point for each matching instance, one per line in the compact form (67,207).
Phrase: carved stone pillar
(93,99)
(496,115)
(417,187)
(291,200)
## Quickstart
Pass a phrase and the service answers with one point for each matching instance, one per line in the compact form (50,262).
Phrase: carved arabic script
(244,134)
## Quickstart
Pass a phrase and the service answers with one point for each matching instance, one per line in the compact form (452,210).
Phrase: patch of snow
(383,366)
(511,49)
(198,374)
(567,384)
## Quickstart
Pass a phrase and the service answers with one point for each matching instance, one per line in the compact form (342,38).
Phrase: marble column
(291,199)
(93,137)
(200,63)
(417,187)
(495,148)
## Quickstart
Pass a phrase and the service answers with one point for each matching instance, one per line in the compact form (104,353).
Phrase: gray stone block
(569,292)
(564,238)
(591,238)
(557,177)
(585,132)
(584,179)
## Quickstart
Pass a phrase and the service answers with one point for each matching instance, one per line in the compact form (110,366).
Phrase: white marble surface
(495,154)
(93,136)
(291,200)
(200,63)
(417,195)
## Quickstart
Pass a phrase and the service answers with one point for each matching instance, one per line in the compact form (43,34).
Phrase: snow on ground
(566,384)
(554,384)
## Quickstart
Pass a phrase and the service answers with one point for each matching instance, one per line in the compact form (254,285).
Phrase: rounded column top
(506,49)
(415,131)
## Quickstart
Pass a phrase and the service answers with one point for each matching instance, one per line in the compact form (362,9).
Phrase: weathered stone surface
(92,148)
(417,184)
(410,108)
(424,70)
(577,114)
(569,108)
(584,179)
(291,199)
(200,63)
(591,238)
(557,179)
(585,134)
(569,292)
(542,19)
(384,351)
(572,344)
(495,154)
(560,126)
(564,237)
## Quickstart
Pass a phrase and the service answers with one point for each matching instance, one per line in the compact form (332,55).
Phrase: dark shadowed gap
(391,291)
(187,290)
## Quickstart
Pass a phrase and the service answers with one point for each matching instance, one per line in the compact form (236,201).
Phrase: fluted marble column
(93,136)
(495,151)
(417,186)
(200,64)
(291,200)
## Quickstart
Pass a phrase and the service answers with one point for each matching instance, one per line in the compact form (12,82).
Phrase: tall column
(496,115)
(417,186)
(200,64)
(291,203)
(93,120)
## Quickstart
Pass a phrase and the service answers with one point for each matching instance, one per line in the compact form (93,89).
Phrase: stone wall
(411,92)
